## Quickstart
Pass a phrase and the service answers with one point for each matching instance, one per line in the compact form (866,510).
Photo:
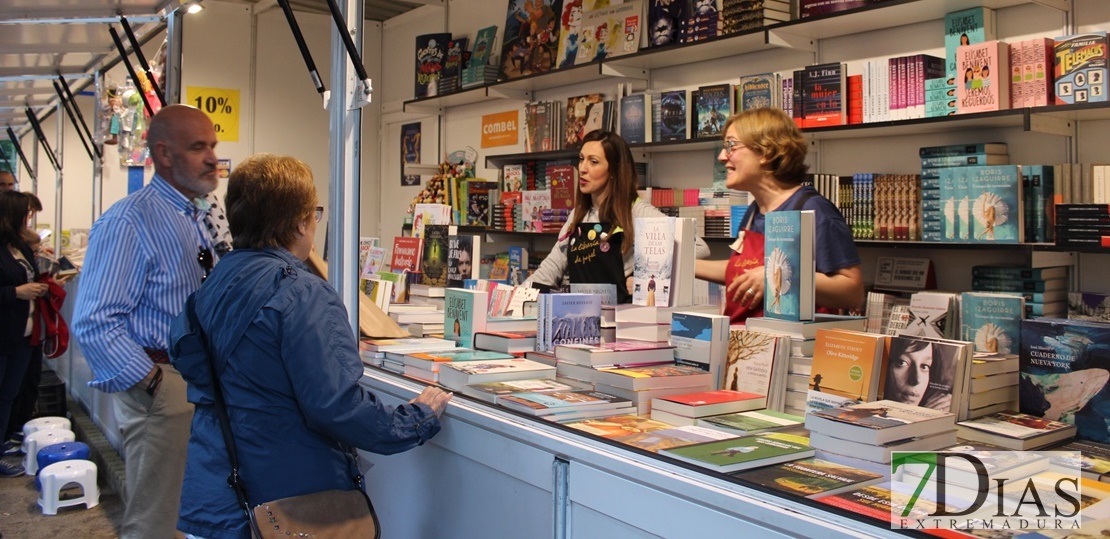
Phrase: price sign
(222,107)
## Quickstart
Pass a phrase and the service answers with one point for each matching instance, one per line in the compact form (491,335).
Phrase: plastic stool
(56,476)
(42,438)
(43,423)
(58,453)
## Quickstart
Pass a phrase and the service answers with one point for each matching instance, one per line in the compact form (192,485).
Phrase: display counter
(493,473)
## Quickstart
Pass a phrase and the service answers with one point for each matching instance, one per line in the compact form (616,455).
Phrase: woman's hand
(435,398)
(747,288)
(30,291)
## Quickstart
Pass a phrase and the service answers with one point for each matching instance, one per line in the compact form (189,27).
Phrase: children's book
(431,53)
(654,253)
(712,107)
(1081,68)
(758,91)
(531,40)
(966,27)
(789,266)
(429,214)
(665,21)
(569,22)
(483,46)
(464,313)
(578,108)
(375,258)
(610,31)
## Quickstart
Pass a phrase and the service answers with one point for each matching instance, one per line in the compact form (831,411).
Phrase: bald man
(146,254)
(7,181)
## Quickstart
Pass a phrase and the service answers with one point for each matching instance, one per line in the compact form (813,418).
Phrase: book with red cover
(561,179)
(707,403)
(407,254)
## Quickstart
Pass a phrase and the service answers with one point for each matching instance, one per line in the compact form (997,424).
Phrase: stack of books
(992,385)
(686,408)
(1044,290)
(1086,225)
(425,366)
(745,452)
(865,434)
(458,375)
(569,405)
(753,422)
(640,384)
(389,353)
(621,353)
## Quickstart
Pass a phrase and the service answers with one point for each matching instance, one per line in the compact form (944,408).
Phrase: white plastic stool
(40,439)
(60,474)
(43,423)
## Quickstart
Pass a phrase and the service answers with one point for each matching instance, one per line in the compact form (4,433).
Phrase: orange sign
(500,129)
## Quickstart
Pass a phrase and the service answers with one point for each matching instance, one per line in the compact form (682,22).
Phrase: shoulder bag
(322,515)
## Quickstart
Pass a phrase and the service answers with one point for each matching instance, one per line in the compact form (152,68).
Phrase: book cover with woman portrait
(923,372)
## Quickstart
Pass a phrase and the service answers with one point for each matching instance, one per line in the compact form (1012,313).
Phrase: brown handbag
(338,514)
(332,513)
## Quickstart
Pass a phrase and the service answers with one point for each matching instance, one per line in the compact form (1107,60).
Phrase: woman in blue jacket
(287,361)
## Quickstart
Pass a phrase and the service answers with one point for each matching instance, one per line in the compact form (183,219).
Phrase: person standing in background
(7,181)
(146,254)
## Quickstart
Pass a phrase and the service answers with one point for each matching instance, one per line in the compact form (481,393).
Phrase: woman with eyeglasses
(595,244)
(18,290)
(286,359)
(764,154)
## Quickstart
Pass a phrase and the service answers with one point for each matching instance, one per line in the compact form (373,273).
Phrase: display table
(491,473)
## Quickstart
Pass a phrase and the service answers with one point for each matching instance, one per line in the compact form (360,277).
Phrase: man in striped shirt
(146,254)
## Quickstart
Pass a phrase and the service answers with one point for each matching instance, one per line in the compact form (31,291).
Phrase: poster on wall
(410,151)
(223,168)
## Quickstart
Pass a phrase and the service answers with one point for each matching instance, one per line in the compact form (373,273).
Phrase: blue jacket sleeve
(320,355)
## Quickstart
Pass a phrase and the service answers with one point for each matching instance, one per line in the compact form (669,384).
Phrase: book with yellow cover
(848,363)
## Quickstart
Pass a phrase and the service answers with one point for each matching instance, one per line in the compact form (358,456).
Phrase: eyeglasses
(730,145)
(319,213)
(204,258)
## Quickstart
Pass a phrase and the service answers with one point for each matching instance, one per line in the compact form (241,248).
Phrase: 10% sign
(222,107)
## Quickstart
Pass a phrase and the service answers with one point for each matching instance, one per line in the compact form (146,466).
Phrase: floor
(21,517)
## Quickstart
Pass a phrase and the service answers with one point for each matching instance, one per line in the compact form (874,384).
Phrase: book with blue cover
(654,254)
(995,203)
(568,319)
(966,27)
(992,321)
(673,115)
(701,340)
(1065,367)
(759,91)
(789,265)
(464,313)
(1081,67)
(636,118)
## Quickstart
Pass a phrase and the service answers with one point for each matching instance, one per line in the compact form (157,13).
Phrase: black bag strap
(233,478)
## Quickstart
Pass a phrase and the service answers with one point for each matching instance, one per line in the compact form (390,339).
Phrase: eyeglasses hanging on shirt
(204,258)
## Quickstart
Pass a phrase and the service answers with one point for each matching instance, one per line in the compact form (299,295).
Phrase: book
(614,426)
(406,344)
(607,291)
(478,201)
(560,402)
(518,264)
(933,314)
(457,376)
(665,21)
(464,251)
(610,31)
(963,150)
(660,439)
(992,321)
(430,361)
(927,372)
(407,254)
(568,319)
(965,27)
(983,72)
(654,254)
(635,118)
(707,403)
(881,453)
(578,108)
(1094,460)
(464,314)
(653,376)
(823,95)
(1081,68)
(483,46)
(964,160)
(509,342)
(712,106)
(620,352)
(759,91)
(745,452)
(701,340)
(811,478)
(375,257)
(751,422)
(1014,430)
(806,329)
(1017,271)
(453,63)
(751,360)
(435,255)
(879,422)
(674,119)
(996,203)
(431,53)
(531,38)
(489,391)
(429,214)
(848,363)
(789,265)
(1062,375)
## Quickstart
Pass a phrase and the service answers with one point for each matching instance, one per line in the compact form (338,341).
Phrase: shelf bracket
(509,93)
(787,40)
(1043,123)
(628,72)
(426,110)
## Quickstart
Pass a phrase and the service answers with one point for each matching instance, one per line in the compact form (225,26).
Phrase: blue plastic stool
(59,452)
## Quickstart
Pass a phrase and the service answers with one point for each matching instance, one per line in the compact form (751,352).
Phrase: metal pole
(60,125)
(98,166)
(171,72)
(345,156)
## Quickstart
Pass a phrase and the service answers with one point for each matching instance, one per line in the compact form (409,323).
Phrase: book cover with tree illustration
(750,360)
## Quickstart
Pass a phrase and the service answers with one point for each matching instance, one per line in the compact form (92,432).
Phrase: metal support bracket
(1052,125)
(787,40)
(509,93)
(628,72)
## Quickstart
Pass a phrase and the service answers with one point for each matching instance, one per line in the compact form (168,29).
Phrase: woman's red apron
(748,255)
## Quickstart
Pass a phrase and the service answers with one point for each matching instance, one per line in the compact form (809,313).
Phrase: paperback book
(751,422)
(1063,374)
(674,117)
(407,253)
(457,376)
(984,77)
(880,422)
(1081,67)
(701,340)
(992,321)
(464,314)
(654,253)
(712,106)
(812,478)
(660,439)
(789,265)
(431,52)
(848,364)
(435,255)
(635,118)
(758,91)
(745,452)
